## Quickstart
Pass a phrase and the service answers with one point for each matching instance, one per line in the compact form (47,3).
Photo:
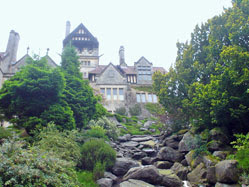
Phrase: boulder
(169,154)
(148,174)
(198,175)
(105,182)
(172,141)
(149,143)
(125,138)
(139,155)
(110,176)
(226,185)
(227,172)
(186,144)
(193,162)
(122,165)
(147,124)
(169,179)
(141,138)
(130,144)
(163,164)
(211,177)
(218,135)
(215,145)
(135,183)
(209,161)
(149,152)
(146,161)
(180,170)
(220,154)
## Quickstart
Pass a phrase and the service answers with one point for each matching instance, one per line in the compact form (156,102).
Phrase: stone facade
(8,63)
(112,81)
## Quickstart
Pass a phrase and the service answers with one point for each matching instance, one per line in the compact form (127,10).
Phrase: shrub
(63,144)
(119,118)
(33,166)
(4,133)
(85,178)
(111,128)
(96,132)
(94,151)
(121,111)
(98,171)
(136,110)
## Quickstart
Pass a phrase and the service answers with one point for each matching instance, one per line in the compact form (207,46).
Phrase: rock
(139,155)
(149,143)
(143,129)
(226,185)
(169,154)
(149,152)
(163,164)
(148,174)
(129,144)
(122,165)
(180,170)
(146,161)
(172,141)
(227,172)
(169,179)
(110,176)
(135,183)
(193,162)
(221,154)
(141,139)
(198,174)
(215,145)
(219,135)
(186,144)
(105,182)
(184,162)
(125,138)
(209,161)
(147,124)
(211,177)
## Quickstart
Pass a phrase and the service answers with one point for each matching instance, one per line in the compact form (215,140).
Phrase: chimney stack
(68,27)
(121,56)
(12,46)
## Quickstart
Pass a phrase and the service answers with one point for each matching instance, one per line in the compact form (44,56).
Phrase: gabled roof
(50,61)
(143,58)
(128,70)
(23,59)
(115,67)
(91,43)
(98,69)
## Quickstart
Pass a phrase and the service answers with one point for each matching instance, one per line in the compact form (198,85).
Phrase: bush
(96,132)
(121,111)
(86,179)
(62,144)
(94,151)
(111,128)
(98,171)
(4,133)
(33,166)
(136,110)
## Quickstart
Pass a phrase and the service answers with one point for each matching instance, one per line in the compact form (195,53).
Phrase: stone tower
(11,50)
(87,47)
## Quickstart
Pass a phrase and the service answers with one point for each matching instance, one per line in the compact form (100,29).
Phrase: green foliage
(33,167)
(98,171)
(242,146)
(208,85)
(119,118)
(143,88)
(62,144)
(94,151)
(85,178)
(121,111)
(96,132)
(135,110)
(110,127)
(4,133)
(155,108)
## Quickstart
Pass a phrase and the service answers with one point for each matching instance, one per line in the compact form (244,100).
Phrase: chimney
(12,46)
(68,26)
(121,56)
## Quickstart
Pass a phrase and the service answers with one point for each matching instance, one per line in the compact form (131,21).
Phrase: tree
(208,85)
(78,94)
(27,99)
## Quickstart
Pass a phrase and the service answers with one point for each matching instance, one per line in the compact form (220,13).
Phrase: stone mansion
(116,83)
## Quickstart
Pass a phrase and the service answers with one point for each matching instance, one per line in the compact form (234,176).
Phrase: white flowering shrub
(31,166)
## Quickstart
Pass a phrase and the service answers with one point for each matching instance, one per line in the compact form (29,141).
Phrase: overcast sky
(148,28)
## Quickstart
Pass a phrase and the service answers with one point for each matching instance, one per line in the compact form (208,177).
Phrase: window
(108,90)
(138,98)
(154,98)
(115,96)
(150,98)
(121,94)
(102,90)
(88,63)
(143,97)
